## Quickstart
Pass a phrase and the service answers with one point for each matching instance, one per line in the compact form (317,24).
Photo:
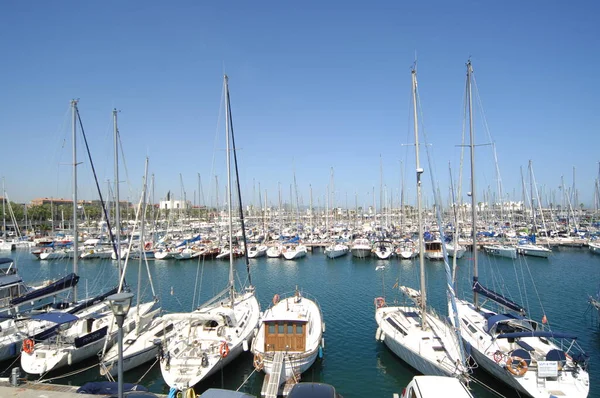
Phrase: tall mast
(473,189)
(3,210)
(227,127)
(419,210)
(117,201)
(75,229)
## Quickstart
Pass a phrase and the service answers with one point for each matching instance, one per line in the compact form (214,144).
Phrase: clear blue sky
(315,85)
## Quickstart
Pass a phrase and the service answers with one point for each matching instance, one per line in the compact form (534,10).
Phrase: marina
(353,360)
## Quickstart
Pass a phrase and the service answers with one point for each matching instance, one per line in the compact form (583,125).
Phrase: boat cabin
(285,335)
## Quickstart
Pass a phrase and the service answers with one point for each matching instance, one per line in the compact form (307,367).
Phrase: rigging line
(489,135)
(149,369)
(247,378)
(487,387)
(112,238)
(129,187)
(237,177)
(216,141)
(39,381)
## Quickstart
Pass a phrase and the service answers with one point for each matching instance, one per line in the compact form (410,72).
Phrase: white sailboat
(516,350)
(207,339)
(336,250)
(140,344)
(361,248)
(413,332)
(289,338)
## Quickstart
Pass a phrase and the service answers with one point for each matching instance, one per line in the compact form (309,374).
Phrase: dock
(45,390)
(271,387)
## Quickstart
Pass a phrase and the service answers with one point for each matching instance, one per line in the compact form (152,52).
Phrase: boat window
(299,328)
(290,329)
(271,328)
(280,329)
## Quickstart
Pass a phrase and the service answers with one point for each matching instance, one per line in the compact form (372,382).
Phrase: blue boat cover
(92,301)
(537,333)
(186,241)
(59,285)
(56,317)
(107,388)
(494,319)
(500,299)
(5,260)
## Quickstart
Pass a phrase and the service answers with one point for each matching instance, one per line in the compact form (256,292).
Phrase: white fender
(245,345)
(323,342)
(69,358)
(379,335)
(323,327)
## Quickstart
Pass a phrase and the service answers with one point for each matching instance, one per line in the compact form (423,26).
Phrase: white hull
(501,251)
(483,346)
(274,252)
(257,251)
(163,254)
(50,355)
(434,255)
(434,351)
(594,247)
(138,348)
(459,252)
(336,251)
(293,310)
(293,364)
(294,253)
(193,352)
(361,248)
(534,251)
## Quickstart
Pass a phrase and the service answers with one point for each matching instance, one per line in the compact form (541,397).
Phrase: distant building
(174,204)
(47,201)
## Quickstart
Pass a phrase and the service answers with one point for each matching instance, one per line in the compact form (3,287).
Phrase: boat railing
(295,293)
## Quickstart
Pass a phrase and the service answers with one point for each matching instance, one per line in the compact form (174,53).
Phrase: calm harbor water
(354,362)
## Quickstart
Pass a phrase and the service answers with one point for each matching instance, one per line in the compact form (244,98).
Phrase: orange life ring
(258,362)
(379,302)
(224,349)
(28,345)
(275,299)
(520,369)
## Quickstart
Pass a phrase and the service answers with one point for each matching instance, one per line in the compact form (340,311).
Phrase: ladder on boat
(272,382)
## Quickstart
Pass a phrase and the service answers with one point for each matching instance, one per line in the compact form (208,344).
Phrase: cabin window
(298,328)
(280,329)
(271,328)
(290,329)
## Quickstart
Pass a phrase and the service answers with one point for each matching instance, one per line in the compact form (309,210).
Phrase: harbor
(353,361)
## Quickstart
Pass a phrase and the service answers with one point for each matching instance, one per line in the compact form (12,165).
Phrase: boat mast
(75,229)
(227,127)
(419,210)
(3,210)
(118,204)
(473,189)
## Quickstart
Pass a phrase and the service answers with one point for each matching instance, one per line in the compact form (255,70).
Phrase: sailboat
(516,350)
(78,335)
(413,332)
(207,339)
(140,344)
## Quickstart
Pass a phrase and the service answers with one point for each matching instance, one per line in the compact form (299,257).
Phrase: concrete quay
(43,390)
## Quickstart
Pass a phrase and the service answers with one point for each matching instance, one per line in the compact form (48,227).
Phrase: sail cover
(500,299)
